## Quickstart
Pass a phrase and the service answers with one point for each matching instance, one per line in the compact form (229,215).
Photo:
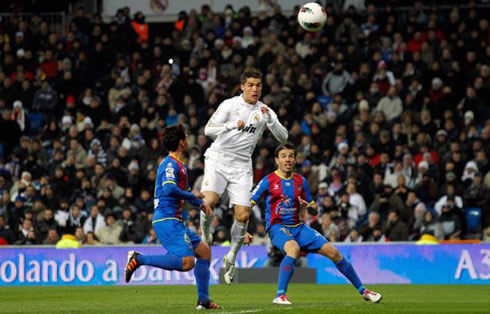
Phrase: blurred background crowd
(389,110)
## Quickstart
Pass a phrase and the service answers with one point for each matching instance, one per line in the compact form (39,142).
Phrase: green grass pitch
(245,298)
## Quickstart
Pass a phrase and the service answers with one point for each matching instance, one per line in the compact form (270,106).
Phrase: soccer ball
(312,17)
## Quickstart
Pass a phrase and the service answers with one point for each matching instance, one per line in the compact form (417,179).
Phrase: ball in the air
(312,17)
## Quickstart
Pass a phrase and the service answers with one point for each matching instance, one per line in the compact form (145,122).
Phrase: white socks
(205,223)
(238,231)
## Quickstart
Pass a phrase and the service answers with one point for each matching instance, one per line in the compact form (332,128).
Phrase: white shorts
(237,181)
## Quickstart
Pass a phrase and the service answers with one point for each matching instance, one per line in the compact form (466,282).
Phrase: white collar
(243,102)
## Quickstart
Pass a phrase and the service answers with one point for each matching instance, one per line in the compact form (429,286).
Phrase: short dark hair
(172,135)
(287,145)
(250,73)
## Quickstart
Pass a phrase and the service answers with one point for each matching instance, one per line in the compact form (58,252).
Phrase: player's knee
(211,199)
(292,249)
(334,254)
(242,215)
(204,252)
(187,263)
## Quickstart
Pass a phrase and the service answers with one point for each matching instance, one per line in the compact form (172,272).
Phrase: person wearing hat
(19,115)
(248,37)
(469,117)
(322,192)
(384,78)
(97,151)
(363,105)
(336,80)
(469,172)
(441,145)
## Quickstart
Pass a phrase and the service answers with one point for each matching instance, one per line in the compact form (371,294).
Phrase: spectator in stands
(367,229)
(110,233)
(91,239)
(353,237)
(52,237)
(26,235)
(94,222)
(451,226)
(5,232)
(386,202)
(151,238)
(260,236)
(395,228)
(330,229)
(44,224)
(390,105)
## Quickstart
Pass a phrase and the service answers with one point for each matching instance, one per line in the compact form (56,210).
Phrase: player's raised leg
(172,235)
(211,198)
(238,233)
(202,274)
(348,271)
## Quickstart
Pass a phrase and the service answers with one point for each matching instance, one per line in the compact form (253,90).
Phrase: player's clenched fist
(240,124)
(265,111)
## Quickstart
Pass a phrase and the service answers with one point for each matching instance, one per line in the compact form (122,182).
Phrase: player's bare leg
(202,274)
(211,198)
(286,271)
(348,271)
(238,235)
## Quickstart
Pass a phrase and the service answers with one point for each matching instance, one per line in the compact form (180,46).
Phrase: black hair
(172,135)
(250,73)
(287,145)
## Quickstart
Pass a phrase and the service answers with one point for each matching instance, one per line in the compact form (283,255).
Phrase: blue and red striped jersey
(282,198)
(171,189)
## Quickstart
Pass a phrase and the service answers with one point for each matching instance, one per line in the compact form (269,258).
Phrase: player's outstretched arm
(273,124)
(171,189)
(219,121)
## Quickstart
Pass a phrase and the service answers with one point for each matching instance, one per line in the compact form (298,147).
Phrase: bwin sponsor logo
(249,129)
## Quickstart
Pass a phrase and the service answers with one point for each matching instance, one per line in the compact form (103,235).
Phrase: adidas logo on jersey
(249,129)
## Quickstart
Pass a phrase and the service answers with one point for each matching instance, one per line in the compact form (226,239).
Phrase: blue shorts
(175,237)
(308,239)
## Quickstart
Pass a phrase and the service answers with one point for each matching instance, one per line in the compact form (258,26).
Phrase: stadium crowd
(388,109)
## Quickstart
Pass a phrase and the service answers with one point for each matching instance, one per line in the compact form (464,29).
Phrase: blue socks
(346,268)
(202,274)
(168,262)
(286,271)
(172,262)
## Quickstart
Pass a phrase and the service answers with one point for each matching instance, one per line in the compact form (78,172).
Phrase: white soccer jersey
(233,146)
